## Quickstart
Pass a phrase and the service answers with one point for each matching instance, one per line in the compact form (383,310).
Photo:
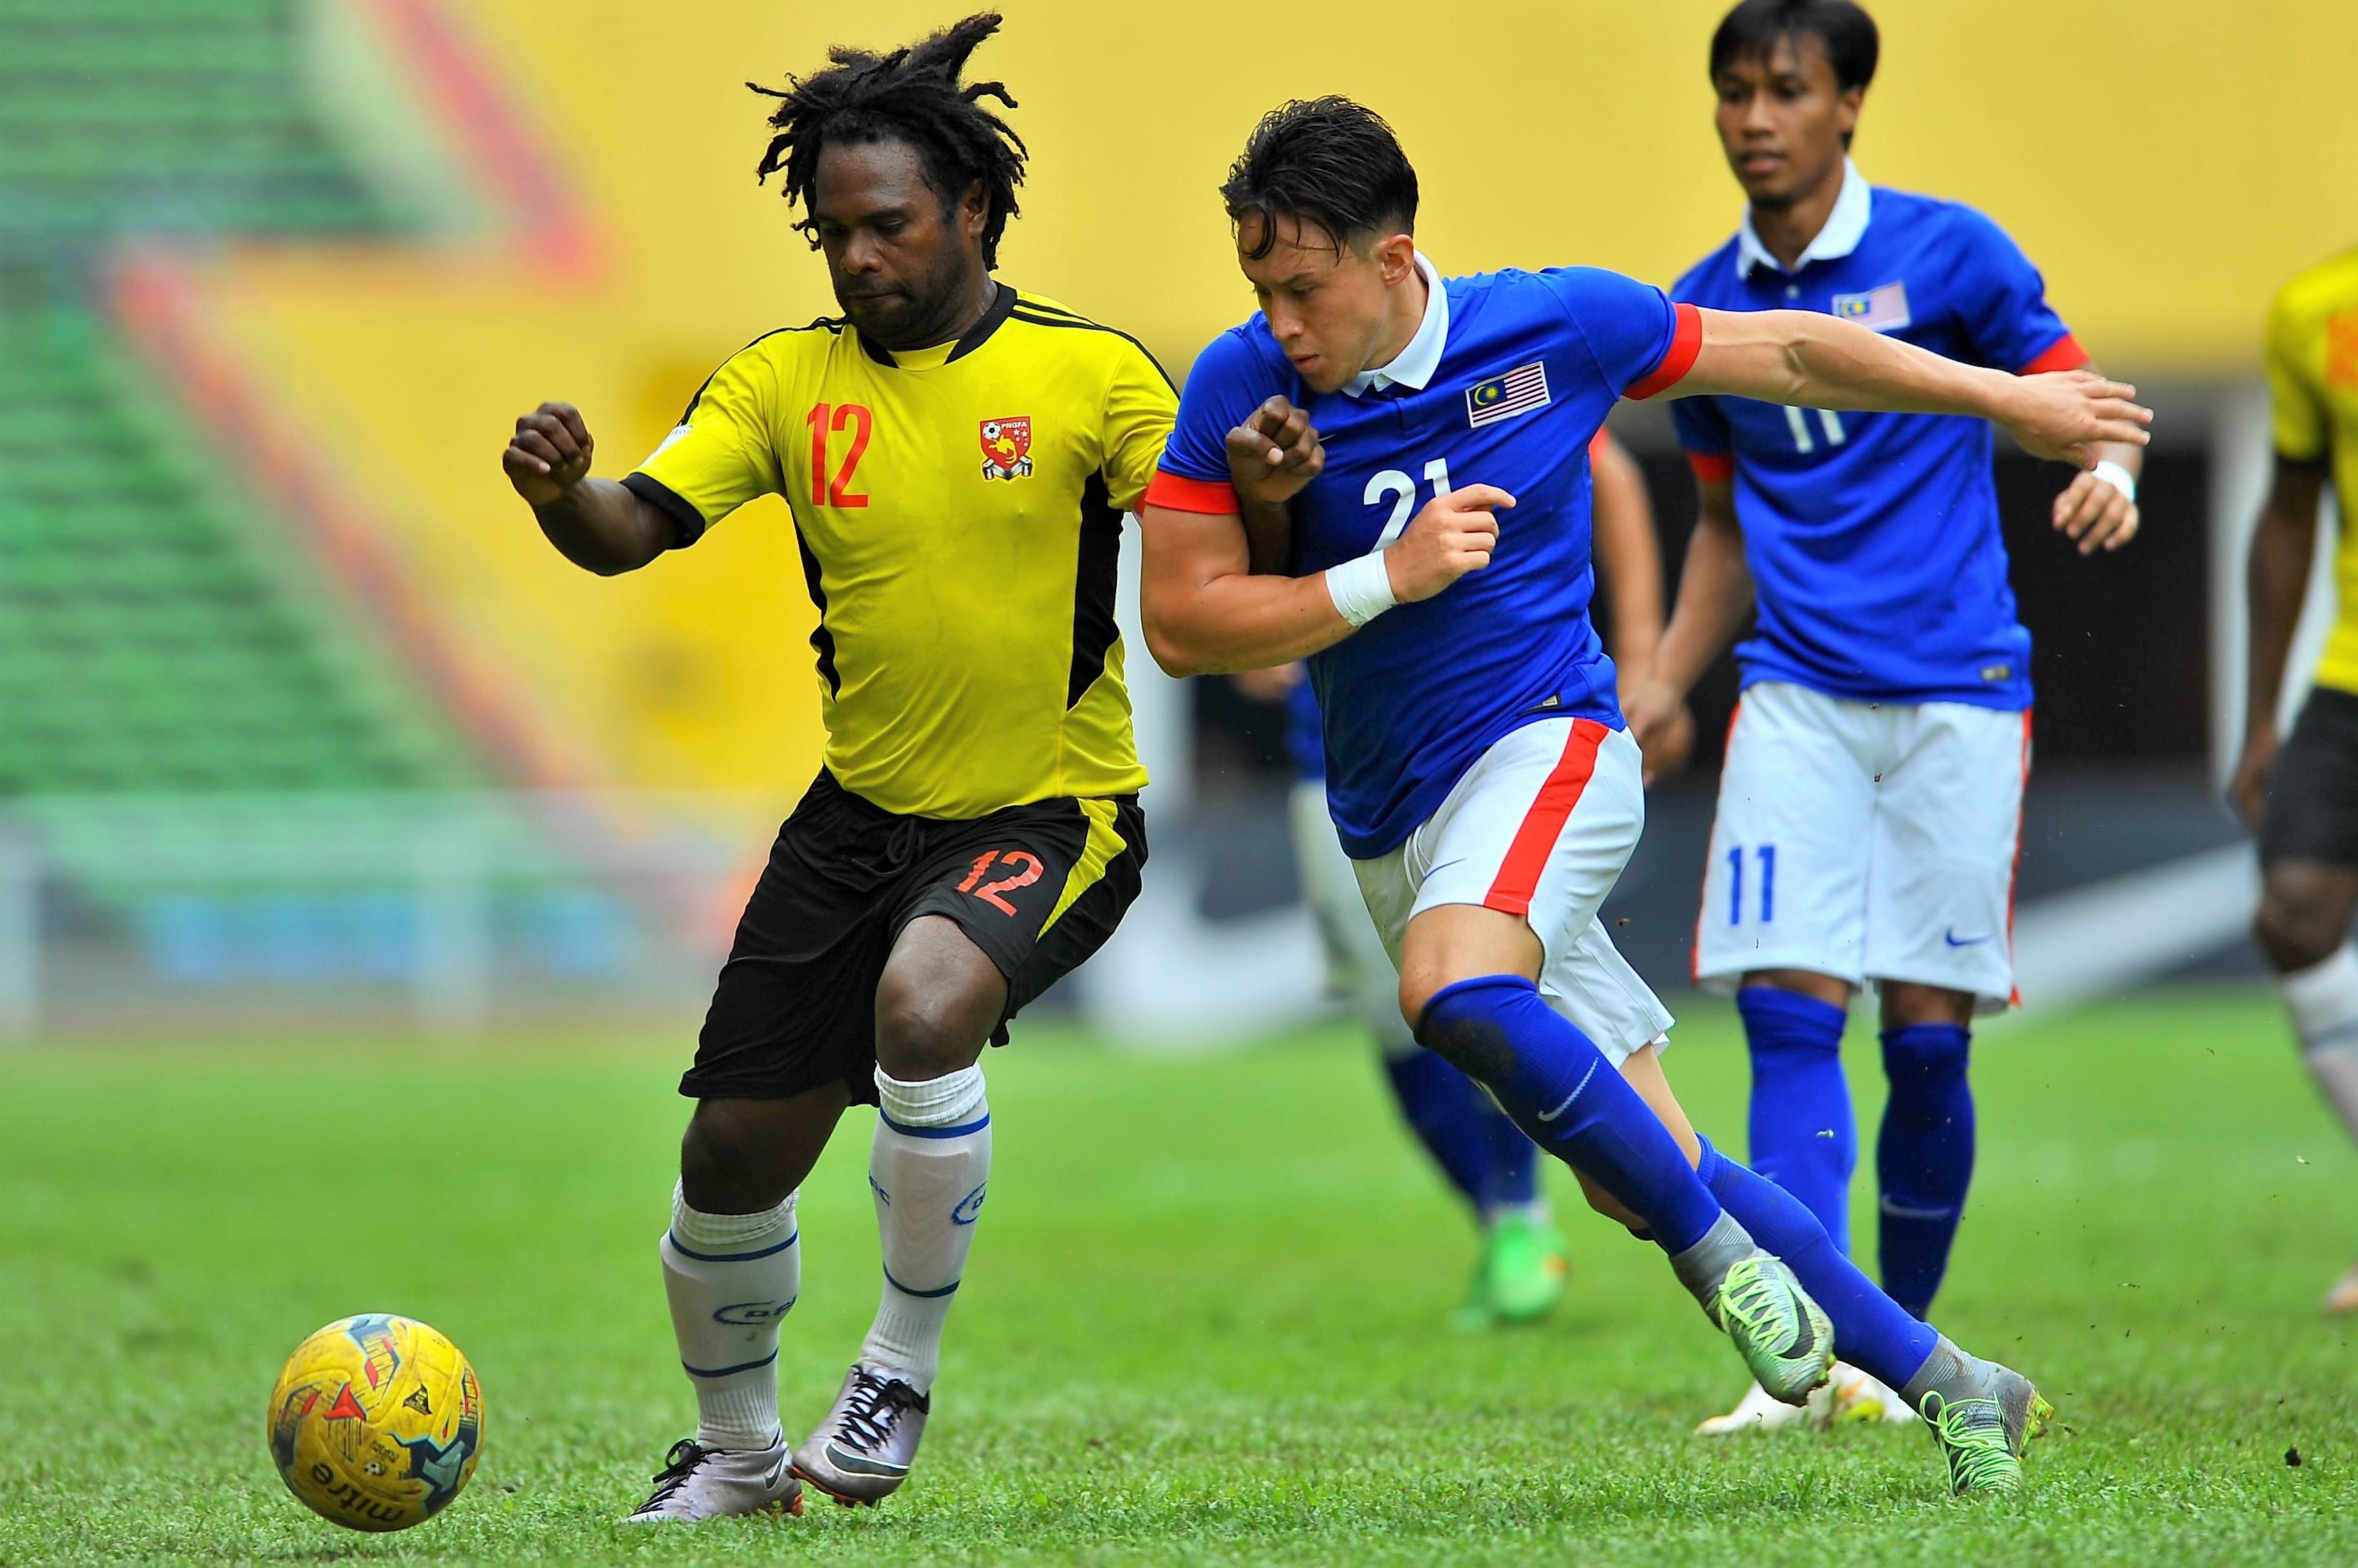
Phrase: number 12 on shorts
(1766,854)
(1008,861)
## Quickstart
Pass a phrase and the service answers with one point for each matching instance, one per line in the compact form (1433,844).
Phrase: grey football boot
(700,1483)
(1783,1334)
(862,1450)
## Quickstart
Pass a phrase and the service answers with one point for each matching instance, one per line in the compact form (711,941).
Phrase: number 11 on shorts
(1766,855)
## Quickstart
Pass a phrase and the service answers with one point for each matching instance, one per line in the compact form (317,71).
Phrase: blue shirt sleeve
(2000,299)
(1228,382)
(1627,326)
(1701,427)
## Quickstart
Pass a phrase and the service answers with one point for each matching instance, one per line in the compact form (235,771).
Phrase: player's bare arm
(594,523)
(1629,570)
(1207,614)
(1628,561)
(2277,576)
(1714,596)
(1806,360)
(1272,456)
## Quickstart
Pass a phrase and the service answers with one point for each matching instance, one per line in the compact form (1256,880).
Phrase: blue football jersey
(1873,538)
(1529,365)
(1305,741)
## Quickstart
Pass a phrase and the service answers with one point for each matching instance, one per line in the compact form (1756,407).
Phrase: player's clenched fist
(1274,452)
(1452,535)
(549,452)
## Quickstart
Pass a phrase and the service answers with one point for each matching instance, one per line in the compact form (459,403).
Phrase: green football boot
(1983,1438)
(1781,1334)
(1519,1278)
(1524,1268)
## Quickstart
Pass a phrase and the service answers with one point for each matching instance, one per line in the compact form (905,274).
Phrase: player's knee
(725,1163)
(1417,989)
(1906,1003)
(2298,925)
(924,1031)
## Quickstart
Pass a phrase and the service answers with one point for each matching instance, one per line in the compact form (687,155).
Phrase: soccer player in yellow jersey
(2303,798)
(956,457)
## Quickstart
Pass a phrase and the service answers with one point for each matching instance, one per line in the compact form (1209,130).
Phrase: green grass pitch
(1204,1321)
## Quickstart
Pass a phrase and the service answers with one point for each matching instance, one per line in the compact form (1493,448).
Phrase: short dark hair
(1326,163)
(1846,31)
(912,95)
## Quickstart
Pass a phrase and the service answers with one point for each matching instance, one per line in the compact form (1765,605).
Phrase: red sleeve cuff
(1599,444)
(1713,468)
(1686,342)
(1179,493)
(2064,354)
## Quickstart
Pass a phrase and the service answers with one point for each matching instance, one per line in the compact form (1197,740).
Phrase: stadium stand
(157,632)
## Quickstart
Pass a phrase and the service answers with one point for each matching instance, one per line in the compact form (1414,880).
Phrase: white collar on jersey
(1414,366)
(1845,226)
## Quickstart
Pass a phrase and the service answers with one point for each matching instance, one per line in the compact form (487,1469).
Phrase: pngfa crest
(1007,447)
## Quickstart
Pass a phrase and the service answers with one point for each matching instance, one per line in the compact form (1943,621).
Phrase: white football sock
(929,1167)
(2323,1001)
(731,1279)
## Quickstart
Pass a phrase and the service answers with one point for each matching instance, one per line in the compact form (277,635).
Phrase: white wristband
(2119,478)
(1361,589)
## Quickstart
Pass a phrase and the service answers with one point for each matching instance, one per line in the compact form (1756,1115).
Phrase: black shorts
(2312,810)
(1039,888)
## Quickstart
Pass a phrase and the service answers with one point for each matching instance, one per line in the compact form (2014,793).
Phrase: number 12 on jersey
(835,417)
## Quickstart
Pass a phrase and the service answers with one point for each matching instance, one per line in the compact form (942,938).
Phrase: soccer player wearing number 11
(1871,802)
(1478,766)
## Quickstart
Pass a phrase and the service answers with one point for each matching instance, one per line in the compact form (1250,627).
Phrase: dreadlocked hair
(912,95)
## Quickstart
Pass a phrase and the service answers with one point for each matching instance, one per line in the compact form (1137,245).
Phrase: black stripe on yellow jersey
(957,510)
(2313,365)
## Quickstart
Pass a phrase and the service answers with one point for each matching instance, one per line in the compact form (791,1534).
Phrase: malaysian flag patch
(1519,390)
(1881,309)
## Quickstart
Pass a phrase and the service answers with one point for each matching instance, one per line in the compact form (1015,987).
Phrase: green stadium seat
(151,636)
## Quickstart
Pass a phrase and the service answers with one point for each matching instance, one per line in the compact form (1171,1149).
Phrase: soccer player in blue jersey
(1418,444)
(1521,1273)
(1871,802)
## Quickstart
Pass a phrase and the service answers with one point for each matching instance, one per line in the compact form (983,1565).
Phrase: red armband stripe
(1686,342)
(2064,354)
(1180,493)
(1713,468)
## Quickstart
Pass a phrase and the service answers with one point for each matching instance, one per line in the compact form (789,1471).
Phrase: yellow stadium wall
(2168,162)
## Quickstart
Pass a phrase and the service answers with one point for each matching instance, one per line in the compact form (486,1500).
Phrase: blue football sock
(1924,1157)
(1803,1137)
(1514,1159)
(1485,1157)
(1559,1088)
(1871,1330)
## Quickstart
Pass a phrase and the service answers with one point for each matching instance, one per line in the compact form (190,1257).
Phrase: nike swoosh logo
(1552,1115)
(771,1479)
(860,1463)
(1953,940)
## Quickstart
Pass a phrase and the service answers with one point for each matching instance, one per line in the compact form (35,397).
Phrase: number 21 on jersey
(1395,483)
(827,419)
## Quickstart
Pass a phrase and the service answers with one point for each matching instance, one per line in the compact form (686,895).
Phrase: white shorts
(1359,970)
(1868,841)
(1540,826)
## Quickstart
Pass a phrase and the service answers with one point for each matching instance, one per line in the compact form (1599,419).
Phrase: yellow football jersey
(958,510)
(2312,358)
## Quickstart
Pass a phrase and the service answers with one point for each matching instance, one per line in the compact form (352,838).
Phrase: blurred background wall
(275,277)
